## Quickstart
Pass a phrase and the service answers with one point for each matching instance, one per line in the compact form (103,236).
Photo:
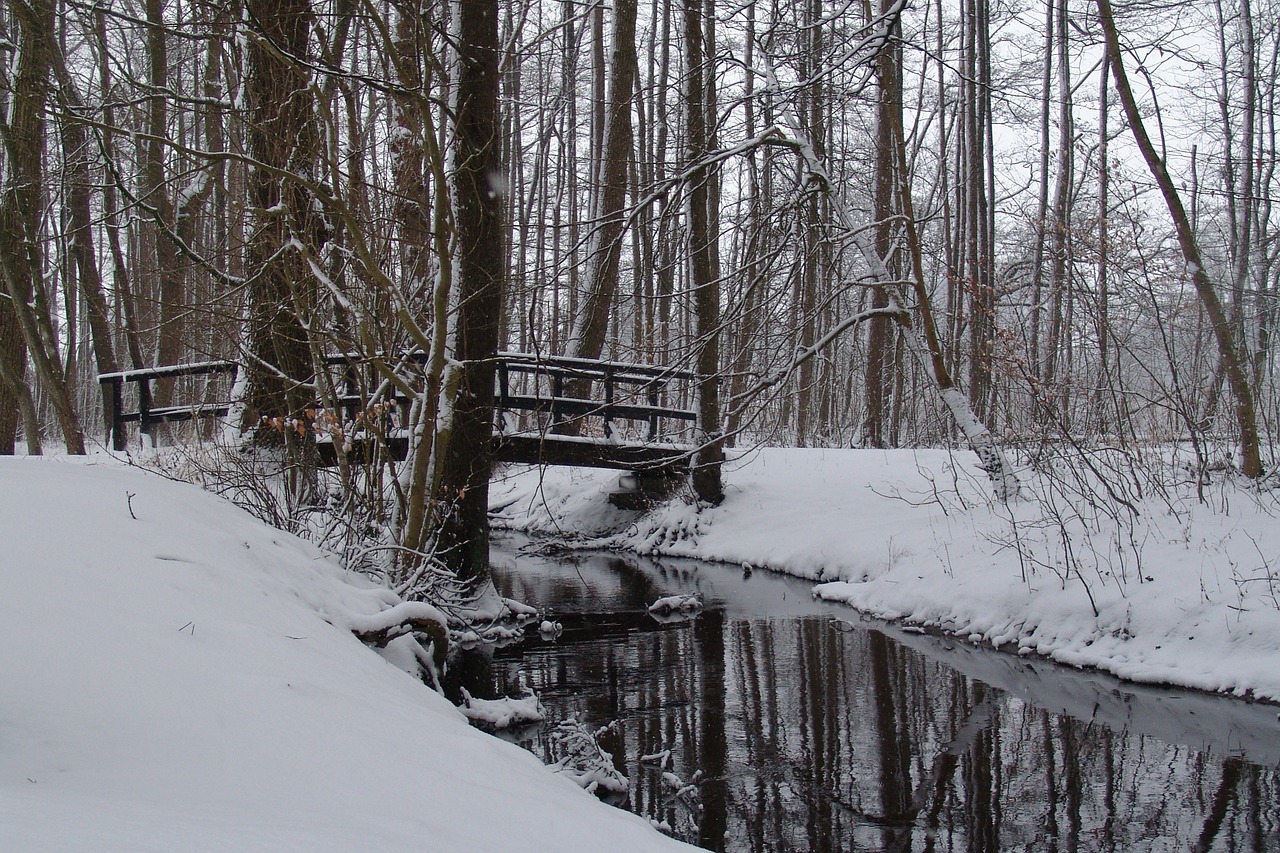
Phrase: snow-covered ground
(175,675)
(1123,564)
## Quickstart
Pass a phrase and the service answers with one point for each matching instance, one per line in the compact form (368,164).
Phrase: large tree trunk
(168,287)
(704,279)
(1228,351)
(284,137)
(21,256)
(468,459)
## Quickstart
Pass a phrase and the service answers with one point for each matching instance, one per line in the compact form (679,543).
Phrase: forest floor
(1134,565)
(175,675)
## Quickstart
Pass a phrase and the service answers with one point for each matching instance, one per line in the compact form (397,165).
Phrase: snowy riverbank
(175,675)
(1155,579)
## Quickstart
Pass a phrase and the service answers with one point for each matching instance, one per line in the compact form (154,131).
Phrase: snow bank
(1184,592)
(175,675)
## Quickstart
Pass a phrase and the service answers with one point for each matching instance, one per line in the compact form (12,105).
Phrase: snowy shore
(1175,582)
(175,675)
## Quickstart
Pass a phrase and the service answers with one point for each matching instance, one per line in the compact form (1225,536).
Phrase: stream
(773,722)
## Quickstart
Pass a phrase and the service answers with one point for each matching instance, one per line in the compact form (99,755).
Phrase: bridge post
(144,409)
(504,394)
(557,391)
(115,400)
(608,403)
(653,417)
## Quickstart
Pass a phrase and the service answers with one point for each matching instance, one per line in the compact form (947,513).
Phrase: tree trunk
(604,246)
(875,425)
(21,255)
(169,286)
(706,293)
(77,158)
(468,459)
(1246,417)
(283,135)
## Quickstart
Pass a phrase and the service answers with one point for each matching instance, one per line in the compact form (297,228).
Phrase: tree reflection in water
(807,733)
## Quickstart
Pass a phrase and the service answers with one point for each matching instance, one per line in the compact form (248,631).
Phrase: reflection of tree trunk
(708,633)
(893,752)
(1222,799)
(759,753)
(1071,779)
(982,804)
(816,731)
(944,766)
(895,773)
(1109,796)
(1050,782)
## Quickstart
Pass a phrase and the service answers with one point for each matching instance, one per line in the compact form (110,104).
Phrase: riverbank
(1130,566)
(175,675)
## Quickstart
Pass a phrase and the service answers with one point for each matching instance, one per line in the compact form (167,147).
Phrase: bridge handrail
(651,379)
(595,366)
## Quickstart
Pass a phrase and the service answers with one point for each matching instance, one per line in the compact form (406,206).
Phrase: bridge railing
(146,414)
(542,387)
(535,386)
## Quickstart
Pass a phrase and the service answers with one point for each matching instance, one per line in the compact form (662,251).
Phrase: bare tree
(1228,349)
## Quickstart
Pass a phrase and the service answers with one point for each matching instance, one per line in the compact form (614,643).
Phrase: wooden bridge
(635,417)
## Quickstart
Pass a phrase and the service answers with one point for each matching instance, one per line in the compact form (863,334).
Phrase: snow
(502,713)
(176,675)
(1162,580)
(676,604)
(187,680)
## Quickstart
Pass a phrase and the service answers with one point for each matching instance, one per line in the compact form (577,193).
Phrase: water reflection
(791,729)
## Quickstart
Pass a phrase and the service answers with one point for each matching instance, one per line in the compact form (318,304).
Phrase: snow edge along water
(1180,593)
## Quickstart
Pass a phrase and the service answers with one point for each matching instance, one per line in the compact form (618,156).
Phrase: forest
(1032,227)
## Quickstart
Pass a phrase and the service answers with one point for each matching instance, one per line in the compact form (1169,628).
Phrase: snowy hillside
(175,675)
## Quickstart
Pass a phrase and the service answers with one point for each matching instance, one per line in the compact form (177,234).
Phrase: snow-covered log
(408,617)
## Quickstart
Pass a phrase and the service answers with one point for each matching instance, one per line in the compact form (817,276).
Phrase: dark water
(794,726)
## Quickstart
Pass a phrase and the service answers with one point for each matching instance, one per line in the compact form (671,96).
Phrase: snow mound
(502,713)
(179,676)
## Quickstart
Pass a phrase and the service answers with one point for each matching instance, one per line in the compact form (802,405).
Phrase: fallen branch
(408,617)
